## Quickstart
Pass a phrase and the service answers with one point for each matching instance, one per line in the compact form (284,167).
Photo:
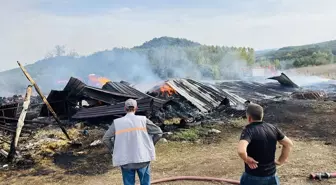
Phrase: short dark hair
(130,109)
(255,111)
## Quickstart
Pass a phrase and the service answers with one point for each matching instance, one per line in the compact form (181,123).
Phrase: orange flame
(100,80)
(168,89)
(103,80)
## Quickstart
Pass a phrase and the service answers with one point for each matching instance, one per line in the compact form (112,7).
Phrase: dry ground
(310,124)
(326,71)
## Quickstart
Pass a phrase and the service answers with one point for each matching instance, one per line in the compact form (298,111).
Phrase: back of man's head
(131,105)
(254,112)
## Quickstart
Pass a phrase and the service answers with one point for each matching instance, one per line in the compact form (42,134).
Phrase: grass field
(326,71)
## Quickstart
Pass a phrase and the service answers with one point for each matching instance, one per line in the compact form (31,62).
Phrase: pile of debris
(178,98)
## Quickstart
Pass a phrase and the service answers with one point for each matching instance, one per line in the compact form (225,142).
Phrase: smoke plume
(137,66)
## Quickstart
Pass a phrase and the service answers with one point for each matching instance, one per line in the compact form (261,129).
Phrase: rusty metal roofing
(117,110)
(123,88)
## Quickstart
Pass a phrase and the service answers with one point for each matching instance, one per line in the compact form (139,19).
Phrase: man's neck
(130,112)
(255,121)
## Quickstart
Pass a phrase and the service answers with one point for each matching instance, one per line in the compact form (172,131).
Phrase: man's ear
(249,119)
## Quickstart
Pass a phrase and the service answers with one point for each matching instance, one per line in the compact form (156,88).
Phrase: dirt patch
(93,162)
(304,119)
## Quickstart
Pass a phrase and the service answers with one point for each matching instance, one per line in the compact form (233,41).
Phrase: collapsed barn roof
(112,94)
(205,97)
(104,95)
(256,91)
(117,110)
(78,89)
(123,88)
(75,91)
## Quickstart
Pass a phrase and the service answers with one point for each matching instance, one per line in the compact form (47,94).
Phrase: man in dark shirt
(257,147)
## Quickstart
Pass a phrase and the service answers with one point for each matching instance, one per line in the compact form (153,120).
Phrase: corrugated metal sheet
(104,95)
(284,80)
(74,86)
(123,88)
(78,90)
(254,90)
(204,97)
(117,110)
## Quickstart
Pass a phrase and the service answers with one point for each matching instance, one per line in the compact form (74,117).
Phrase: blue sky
(31,28)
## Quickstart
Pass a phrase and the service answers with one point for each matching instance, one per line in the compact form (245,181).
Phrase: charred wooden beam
(11,129)
(26,121)
(44,100)
(11,125)
(20,124)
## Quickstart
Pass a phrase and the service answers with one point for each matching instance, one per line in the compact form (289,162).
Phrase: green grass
(191,134)
(186,135)
(238,123)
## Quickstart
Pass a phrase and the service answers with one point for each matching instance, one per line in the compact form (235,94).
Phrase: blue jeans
(129,176)
(247,179)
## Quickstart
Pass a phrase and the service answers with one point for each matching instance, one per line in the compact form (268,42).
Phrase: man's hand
(287,145)
(277,163)
(253,164)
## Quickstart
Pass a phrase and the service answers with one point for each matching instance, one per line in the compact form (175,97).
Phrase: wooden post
(44,100)
(20,124)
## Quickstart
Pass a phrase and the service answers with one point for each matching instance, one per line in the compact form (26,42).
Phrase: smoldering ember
(68,123)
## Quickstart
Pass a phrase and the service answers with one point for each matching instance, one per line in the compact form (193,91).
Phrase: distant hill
(301,56)
(262,52)
(158,59)
(167,41)
(329,45)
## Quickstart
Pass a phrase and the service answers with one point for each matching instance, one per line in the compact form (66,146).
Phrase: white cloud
(28,34)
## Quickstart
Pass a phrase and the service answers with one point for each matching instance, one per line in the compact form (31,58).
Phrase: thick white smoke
(137,66)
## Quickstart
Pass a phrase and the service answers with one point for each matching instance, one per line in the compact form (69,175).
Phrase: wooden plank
(20,124)
(44,100)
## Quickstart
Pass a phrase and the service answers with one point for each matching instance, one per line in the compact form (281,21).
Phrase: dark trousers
(129,175)
(247,179)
